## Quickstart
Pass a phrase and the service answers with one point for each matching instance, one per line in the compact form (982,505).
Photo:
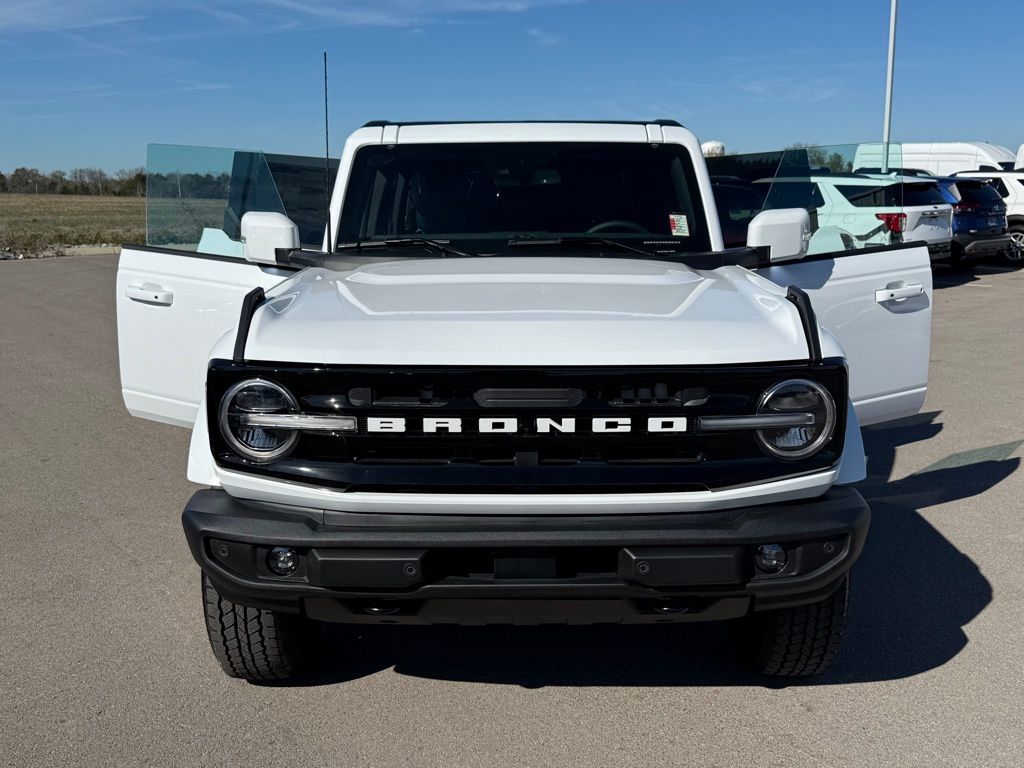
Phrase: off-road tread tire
(254,644)
(802,641)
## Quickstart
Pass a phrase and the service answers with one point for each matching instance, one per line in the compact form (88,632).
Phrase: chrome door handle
(150,293)
(899,293)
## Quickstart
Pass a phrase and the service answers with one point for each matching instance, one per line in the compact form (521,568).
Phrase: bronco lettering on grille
(511,425)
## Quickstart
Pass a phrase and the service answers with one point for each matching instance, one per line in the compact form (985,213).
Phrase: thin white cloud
(56,15)
(197,85)
(791,89)
(92,45)
(401,13)
(541,37)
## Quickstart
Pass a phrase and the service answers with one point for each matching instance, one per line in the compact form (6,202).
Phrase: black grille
(528,459)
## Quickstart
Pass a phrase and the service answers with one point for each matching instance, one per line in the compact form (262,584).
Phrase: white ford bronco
(517,379)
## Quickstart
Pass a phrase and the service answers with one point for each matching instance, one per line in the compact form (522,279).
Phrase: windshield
(490,193)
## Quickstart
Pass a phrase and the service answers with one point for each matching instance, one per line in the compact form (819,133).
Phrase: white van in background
(941,158)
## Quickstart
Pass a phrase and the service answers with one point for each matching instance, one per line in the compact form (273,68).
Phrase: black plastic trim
(207,256)
(661,121)
(808,320)
(981,245)
(252,301)
(840,516)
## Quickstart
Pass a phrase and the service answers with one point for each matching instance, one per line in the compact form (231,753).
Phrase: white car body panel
(528,311)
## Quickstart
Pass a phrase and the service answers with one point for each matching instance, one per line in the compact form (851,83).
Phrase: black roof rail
(662,121)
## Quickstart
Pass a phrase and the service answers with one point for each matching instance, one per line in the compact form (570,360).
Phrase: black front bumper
(363,568)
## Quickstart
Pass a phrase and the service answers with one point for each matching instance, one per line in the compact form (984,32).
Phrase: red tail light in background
(960,207)
(896,222)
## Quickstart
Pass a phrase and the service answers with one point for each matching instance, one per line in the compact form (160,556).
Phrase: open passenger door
(172,307)
(872,291)
(878,304)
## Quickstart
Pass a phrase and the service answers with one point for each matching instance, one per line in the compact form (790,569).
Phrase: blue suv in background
(979,219)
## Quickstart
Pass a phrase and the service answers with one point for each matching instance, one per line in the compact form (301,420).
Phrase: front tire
(254,644)
(800,641)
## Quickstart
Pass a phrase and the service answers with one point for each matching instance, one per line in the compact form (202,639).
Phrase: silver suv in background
(866,211)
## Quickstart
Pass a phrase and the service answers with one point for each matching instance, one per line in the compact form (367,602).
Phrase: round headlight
(802,400)
(244,403)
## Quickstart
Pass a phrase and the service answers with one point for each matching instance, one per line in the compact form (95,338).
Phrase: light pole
(887,127)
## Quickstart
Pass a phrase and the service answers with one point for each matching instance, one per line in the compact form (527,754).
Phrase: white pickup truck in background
(520,380)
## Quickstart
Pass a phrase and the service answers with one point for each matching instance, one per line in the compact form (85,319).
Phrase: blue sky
(92,82)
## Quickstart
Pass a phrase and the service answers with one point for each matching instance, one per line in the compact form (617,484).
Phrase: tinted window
(1000,187)
(869,197)
(302,184)
(922,194)
(797,193)
(737,204)
(892,195)
(978,193)
(499,190)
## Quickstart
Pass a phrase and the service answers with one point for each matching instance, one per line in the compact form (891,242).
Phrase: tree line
(128,182)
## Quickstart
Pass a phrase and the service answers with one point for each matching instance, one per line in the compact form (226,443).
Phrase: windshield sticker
(679,224)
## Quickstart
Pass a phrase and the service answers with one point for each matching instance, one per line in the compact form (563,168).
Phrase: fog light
(283,561)
(770,558)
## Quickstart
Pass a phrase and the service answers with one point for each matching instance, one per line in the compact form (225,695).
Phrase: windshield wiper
(440,246)
(561,242)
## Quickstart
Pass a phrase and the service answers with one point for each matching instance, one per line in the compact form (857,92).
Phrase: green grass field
(31,224)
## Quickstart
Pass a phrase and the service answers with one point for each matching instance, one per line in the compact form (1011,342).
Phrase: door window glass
(854,193)
(196,196)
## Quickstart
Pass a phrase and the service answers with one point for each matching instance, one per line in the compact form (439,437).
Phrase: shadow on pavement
(948,276)
(912,592)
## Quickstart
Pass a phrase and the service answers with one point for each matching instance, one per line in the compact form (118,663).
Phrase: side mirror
(264,232)
(785,232)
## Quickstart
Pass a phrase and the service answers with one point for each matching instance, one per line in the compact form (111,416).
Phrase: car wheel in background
(1015,255)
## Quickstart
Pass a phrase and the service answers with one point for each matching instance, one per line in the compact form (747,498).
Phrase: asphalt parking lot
(104,658)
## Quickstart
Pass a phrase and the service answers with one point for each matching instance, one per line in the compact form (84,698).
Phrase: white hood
(527,311)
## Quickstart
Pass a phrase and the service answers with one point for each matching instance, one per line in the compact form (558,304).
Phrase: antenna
(327,161)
